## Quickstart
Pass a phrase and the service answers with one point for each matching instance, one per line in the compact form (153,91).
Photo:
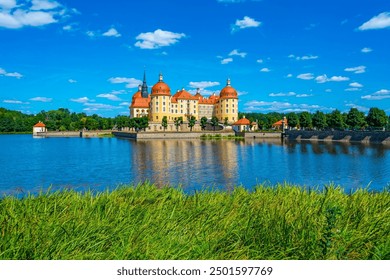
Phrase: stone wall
(255,135)
(168,135)
(343,136)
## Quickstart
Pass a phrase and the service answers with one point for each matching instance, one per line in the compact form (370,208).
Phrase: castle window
(227,111)
(156,102)
(164,103)
(163,109)
(233,110)
(156,117)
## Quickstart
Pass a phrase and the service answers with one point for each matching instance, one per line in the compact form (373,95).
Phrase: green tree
(355,119)
(319,120)
(178,122)
(292,120)
(335,120)
(214,122)
(164,122)
(203,123)
(226,121)
(191,122)
(305,120)
(376,118)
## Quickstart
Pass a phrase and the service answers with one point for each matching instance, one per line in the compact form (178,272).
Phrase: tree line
(353,119)
(64,120)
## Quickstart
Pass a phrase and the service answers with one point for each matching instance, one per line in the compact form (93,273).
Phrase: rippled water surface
(30,164)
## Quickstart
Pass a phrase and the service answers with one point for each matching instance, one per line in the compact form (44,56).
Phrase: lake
(30,164)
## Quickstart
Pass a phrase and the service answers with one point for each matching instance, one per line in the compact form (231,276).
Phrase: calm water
(29,164)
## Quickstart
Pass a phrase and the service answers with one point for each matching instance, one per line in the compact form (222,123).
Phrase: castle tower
(144,89)
(160,101)
(227,105)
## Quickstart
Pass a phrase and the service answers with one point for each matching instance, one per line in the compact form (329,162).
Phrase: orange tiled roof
(40,124)
(279,123)
(243,121)
(183,94)
(140,102)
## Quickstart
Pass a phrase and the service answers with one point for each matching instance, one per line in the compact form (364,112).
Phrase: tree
(164,122)
(214,122)
(178,122)
(319,120)
(203,123)
(305,120)
(376,118)
(292,119)
(355,119)
(226,121)
(335,120)
(191,122)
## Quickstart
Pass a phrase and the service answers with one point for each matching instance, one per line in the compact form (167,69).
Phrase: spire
(160,77)
(144,88)
(228,82)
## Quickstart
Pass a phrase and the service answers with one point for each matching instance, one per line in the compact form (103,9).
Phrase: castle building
(161,103)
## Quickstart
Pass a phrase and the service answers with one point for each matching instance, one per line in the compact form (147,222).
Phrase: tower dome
(161,88)
(228,91)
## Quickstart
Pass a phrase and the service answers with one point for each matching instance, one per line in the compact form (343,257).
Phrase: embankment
(341,136)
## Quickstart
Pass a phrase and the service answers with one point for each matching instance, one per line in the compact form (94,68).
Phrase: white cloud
(13,101)
(357,70)
(265,70)
(41,99)
(259,61)
(157,39)
(274,106)
(353,89)
(124,104)
(226,60)
(81,100)
(10,74)
(324,78)
(280,94)
(328,90)
(379,95)
(241,93)
(7,4)
(356,85)
(91,34)
(109,96)
(377,22)
(235,52)
(366,50)
(39,13)
(305,57)
(360,108)
(289,75)
(72,81)
(130,82)
(203,84)
(100,106)
(39,5)
(205,92)
(304,95)
(112,32)
(306,76)
(246,22)
(67,27)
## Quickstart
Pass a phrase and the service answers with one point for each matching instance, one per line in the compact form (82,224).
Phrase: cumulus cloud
(203,84)
(10,74)
(124,104)
(72,81)
(353,89)
(99,107)
(226,60)
(289,75)
(304,95)
(41,99)
(265,70)
(81,100)
(379,95)
(157,39)
(259,61)
(357,70)
(306,76)
(377,22)
(112,32)
(235,52)
(264,106)
(39,13)
(130,82)
(324,78)
(366,50)
(109,96)
(12,101)
(246,22)
(282,94)
(305,57)
(360,108)
(356,85)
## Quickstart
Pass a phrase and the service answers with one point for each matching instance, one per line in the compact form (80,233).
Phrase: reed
(145,222)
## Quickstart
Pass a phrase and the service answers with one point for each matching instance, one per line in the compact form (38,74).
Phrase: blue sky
(89,56)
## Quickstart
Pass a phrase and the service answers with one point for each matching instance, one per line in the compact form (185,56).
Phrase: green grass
(145,222)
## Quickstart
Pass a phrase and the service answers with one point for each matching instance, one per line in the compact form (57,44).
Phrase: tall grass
(144,222)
